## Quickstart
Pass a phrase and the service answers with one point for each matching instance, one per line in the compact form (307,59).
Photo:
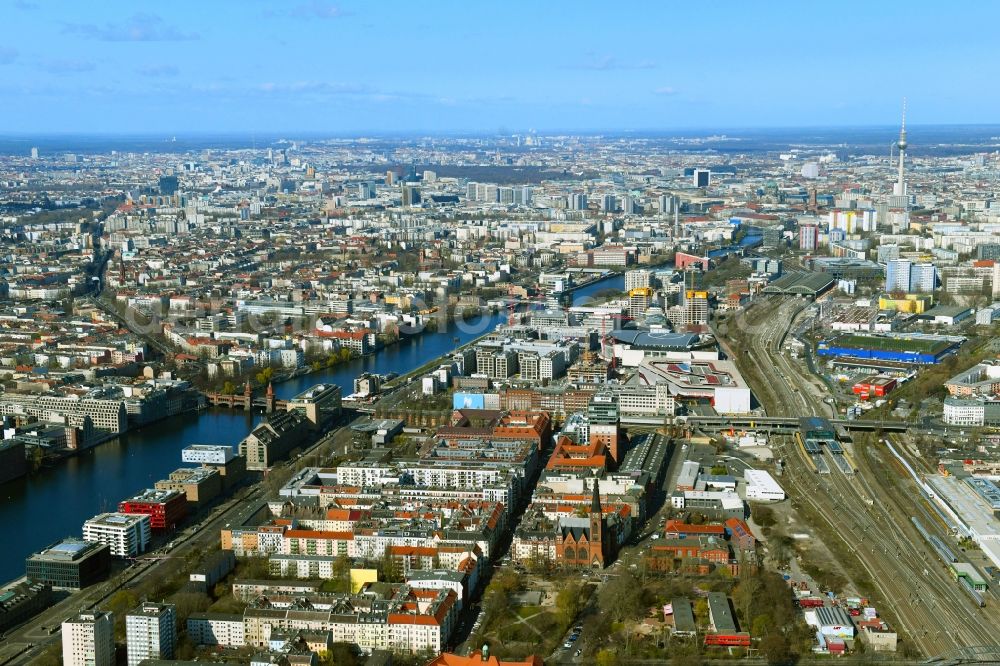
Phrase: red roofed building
(676,529)
(569,456)
(740,535)
(362,342)
(534,426)
(694,554)
(521,425)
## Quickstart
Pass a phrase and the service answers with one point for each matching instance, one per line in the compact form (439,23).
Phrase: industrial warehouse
(915,348)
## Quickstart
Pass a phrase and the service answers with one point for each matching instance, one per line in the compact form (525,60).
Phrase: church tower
(596,527)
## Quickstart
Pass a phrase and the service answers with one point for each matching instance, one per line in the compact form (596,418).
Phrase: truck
(811,602)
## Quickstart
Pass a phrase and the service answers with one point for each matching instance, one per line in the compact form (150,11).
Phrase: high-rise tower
(900,188)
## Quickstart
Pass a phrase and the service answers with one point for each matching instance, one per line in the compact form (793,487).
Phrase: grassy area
(514,631)
(528,611)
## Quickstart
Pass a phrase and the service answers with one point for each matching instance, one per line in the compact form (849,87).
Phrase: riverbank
(56,501)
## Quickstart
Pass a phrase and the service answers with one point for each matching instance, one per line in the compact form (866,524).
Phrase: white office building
(964,411)
(151,632)
(126,534)
(208,454)
(88,639)
(645,400)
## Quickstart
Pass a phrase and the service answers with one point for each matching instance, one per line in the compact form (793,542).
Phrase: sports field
(879,343)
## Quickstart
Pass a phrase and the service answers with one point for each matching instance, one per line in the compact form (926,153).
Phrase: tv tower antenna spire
(900,189)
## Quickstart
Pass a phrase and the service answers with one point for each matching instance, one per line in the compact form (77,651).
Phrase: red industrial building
(677,529)
(683,261)
(165,508)
(877,386)
(738,639)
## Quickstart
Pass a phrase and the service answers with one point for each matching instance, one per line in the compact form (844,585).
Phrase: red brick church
(581,541)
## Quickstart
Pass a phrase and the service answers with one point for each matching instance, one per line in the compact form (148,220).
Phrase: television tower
(900,188)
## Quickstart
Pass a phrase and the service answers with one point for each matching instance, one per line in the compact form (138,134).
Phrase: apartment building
(151,632)
(88,639)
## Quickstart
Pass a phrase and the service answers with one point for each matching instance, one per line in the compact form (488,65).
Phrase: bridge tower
(269,399)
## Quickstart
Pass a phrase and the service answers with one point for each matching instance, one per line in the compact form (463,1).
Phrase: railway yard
(859,496)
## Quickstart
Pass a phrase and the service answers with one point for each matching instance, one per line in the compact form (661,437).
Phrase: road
(870,519)
(14,647)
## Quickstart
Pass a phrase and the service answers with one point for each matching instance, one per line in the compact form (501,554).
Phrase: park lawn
(528,611)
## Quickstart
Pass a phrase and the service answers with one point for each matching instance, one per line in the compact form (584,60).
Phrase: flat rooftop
(67,550)
(800,284)
(894,344)
(154,495)
(117,519)
(316,392)
(207,447)
(656,339)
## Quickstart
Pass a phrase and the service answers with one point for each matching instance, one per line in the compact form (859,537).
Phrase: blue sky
(440,66)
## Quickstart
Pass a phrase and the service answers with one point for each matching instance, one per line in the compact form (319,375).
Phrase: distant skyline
(340,68)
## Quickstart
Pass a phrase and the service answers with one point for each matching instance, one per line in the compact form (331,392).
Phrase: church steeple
(597,521)
(595,502)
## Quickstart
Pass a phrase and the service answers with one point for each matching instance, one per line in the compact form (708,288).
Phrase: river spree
(52,504)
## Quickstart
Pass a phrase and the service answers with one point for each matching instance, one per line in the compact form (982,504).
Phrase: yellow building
(361,577)
(908,303)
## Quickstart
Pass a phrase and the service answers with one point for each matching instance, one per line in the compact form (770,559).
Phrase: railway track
(873,525)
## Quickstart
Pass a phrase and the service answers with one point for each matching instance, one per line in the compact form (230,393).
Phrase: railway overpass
(784,424)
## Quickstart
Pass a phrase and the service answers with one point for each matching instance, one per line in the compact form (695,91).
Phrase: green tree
(189,602)
(342,654)
(761,625)
(265,375)
(776,650)
(762,515)
(391,572)
(606,657)
(228,388)
(623,597)
(569,601)
(36,458)
(782,547)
